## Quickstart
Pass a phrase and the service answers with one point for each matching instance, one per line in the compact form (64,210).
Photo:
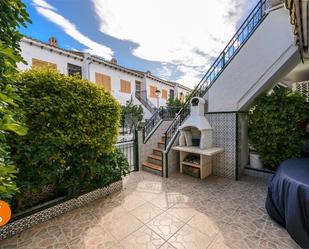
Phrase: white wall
(32,51)
(160,86)
(48,54)
(267,57)
(116,76)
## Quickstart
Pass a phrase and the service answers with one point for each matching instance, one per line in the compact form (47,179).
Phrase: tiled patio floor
(178,212)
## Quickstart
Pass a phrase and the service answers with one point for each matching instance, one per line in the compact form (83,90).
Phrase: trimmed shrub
(275,126)
(73,126)
(13,15)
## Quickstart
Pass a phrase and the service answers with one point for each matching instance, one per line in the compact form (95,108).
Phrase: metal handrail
(163,113)
(142,97)
(248,27)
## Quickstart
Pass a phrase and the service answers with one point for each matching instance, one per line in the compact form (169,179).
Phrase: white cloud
(70,29)
(176,32)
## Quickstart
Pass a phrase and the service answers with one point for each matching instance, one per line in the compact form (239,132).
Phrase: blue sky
(174,39)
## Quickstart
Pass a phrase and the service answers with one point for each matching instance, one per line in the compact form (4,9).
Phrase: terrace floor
(178,212)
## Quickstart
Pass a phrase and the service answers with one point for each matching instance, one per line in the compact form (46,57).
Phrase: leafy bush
(132,115)
(275,126)
(73,126)
(13,15)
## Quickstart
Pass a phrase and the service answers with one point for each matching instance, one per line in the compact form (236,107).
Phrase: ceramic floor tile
(218,243)
(43,236)
(162,201)
(123,226)
(9,243)
(165,225)
(167,246)
(144,238)
(204,224)
(132,201)
(182,213)
(189,238)
(150,187)
(230,213)
(237,237)
(94,237)
(146,212)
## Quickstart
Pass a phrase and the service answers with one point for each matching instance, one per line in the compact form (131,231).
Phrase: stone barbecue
(196,130)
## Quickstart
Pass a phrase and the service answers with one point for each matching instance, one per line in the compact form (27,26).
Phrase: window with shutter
(41,64)
(103,80)
(125,86)
(152,92)
(164,94)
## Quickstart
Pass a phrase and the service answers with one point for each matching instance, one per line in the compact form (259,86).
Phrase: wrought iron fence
(163,113)
(248,27)
(129,150)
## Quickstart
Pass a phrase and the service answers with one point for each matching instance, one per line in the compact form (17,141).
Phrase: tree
(13,15)
(132,114)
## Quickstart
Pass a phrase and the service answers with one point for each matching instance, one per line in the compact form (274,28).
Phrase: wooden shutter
(41,64)
(153,90)
(125,86)
(103,80)
(164,94)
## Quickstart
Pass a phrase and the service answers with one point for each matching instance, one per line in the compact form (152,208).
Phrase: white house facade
(124,84)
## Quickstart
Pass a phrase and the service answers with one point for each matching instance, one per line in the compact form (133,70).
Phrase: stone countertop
(197,150)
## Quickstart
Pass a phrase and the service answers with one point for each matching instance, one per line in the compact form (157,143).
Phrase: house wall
(160,86)
(116,76)
(180,89)
(33,51)
(265,59)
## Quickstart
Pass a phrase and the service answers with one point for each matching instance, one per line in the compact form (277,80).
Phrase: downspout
(88,68)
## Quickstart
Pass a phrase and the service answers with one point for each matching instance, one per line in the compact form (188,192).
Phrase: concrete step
(157,151)
(152,168)
(155,159)
(161,144)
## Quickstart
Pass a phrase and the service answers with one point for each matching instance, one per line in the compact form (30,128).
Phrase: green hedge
(275,126)
(73,126)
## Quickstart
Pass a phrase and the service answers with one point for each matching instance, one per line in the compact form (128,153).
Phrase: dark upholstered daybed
(288,199)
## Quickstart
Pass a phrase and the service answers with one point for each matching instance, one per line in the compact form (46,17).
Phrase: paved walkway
(178,212)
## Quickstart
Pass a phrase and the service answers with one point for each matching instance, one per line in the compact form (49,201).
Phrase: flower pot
(255,161)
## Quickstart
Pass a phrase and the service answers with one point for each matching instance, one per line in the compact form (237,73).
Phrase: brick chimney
(53,41)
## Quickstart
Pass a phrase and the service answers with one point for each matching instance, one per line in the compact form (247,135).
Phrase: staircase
(142,97)
(155,160)
(232,69)
(244,69)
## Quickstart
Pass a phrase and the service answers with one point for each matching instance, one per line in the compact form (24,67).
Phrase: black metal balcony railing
(163,113)
(248,27)
(142,97)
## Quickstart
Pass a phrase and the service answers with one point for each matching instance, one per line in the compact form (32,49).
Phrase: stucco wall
(266,57)
(160,86)
(33,51)
(116,76)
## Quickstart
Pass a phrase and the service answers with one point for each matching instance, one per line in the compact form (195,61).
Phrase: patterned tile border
(22,224)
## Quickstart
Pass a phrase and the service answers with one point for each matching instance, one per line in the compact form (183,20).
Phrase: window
(164,94)
(41,64)
(74,70)
(172,94)
(103,80)
(152,93)
(181,97)
(138,86)
(125,86)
